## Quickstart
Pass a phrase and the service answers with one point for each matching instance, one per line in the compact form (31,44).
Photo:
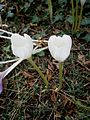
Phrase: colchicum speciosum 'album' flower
(82,2)
(60,47)
(22,47)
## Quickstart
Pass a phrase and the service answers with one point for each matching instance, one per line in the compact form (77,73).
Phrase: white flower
(82,2)
(22,47)
(60,47)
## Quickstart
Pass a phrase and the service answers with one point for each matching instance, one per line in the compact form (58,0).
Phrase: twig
(80,49)
(83,65)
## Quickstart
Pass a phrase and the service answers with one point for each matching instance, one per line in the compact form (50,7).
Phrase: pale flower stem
(5,37)
(40,40)
(6,31)
(39,50)
(78,27)
(76,21)
(9,61)
(60,75)
(39,71)
(73,14)
(50,9)
(8,70)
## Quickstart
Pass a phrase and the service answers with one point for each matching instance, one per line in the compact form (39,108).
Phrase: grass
(25,97)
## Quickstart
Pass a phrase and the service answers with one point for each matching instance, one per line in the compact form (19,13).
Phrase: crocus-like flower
(82,2)
(60,47)
(22,47)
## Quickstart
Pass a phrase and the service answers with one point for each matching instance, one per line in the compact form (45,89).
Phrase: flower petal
(67,40)
(64,53)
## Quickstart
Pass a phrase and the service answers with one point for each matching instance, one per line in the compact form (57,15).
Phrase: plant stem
(60,75)
(72,14)
(39,71)
(50,9)
(76,20)
(78,27)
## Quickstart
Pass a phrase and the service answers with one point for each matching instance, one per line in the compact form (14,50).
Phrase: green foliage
(85,22)
(30,1)
(25,8)
(41,54)
(86,37)
(58,17)
(70,19)
(35,19)
(68,118)
(62,2)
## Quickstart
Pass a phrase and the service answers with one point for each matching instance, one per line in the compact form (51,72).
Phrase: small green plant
(80,16)
(59,48)
(76,17)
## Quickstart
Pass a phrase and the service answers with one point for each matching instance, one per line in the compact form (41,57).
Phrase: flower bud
(60,47)
(22,46)
(82,2)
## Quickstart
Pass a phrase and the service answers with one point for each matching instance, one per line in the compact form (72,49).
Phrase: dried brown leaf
(53,96)
(26,74)
(49,74)
(81,57)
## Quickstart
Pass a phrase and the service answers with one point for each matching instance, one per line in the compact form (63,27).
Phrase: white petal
(17,40)
(61,54)
(67,40)
(28,37)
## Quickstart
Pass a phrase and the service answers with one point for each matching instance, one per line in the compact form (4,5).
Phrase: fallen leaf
(86,62)
(30,83)
(49,74)
(81,58)
(53,96)
(26,74)
(57,115)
